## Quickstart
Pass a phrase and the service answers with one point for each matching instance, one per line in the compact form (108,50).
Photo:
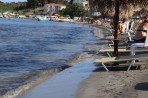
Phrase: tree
(71,2)
(73,10)
(1,2)
(39,3)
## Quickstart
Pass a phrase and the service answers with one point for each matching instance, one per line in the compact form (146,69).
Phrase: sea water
(29,46)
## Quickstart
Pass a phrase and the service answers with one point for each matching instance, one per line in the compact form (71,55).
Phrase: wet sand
(63,84)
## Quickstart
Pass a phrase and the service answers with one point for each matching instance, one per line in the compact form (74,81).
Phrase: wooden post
(116,20)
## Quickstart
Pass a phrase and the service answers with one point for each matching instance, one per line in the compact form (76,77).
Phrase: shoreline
(61,83)
(79,57)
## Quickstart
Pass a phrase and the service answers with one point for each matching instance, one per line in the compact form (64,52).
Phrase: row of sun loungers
(132,57)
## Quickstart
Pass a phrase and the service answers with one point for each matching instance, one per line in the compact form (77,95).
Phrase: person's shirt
(141,31)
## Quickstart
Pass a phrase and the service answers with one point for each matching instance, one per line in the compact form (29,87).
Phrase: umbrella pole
(116,20)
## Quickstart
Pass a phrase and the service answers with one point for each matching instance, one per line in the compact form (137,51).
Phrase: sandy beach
(120,84)
(115,84)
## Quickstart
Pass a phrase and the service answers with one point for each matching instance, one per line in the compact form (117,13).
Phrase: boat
(65,20)
(44,19)
(68,20)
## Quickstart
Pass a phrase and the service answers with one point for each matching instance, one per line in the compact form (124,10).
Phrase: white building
(53,8)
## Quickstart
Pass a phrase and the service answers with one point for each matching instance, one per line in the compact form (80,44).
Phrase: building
(53,8)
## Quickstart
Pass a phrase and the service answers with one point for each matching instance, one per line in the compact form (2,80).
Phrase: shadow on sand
(116,68)
(142,86)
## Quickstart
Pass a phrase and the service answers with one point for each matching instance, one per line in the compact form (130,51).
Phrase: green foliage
(6,7)
(71,2)
(25,7)
(73,10)
(41,3)
(12,7)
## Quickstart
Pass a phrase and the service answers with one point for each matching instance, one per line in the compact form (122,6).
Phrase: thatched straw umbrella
(117,9)
(142,12)
(127,7)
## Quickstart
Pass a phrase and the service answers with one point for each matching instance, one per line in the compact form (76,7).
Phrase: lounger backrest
(146,40)
(127,26)
(129,36)
(131,27)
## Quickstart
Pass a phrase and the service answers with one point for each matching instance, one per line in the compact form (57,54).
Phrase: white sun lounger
(126,36)
(141,45)
(131,58)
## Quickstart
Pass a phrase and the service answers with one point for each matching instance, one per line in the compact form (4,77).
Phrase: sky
(12,0)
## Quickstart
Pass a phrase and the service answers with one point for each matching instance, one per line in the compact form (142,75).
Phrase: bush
(73,10)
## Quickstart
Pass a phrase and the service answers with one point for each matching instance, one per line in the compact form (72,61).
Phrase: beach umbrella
(107,7)
(140,13)
(117,9)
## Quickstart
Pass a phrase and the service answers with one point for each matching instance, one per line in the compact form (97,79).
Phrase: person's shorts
(140,41)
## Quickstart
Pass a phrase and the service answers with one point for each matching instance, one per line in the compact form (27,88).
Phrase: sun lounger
(110,51)
(131,58)
(142,45)
(124,37)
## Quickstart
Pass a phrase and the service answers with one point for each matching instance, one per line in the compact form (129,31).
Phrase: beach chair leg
(128,62)
(110,46)
(109,54)
(133,61)
(98,52)
(104,66)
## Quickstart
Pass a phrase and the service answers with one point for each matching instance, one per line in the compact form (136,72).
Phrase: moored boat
(44,18)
